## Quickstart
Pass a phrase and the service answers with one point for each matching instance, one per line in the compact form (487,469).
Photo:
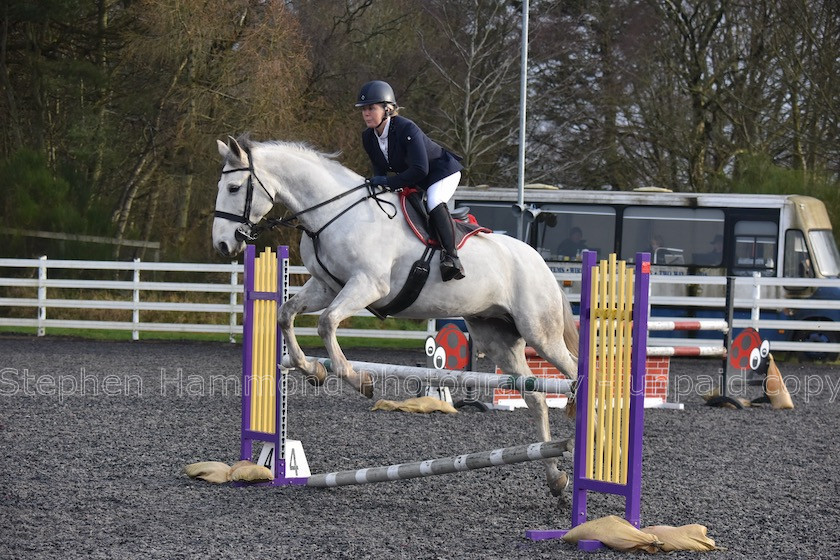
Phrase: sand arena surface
(93,437)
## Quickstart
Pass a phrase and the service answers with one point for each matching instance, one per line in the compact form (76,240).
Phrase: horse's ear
(224,151)
(232,152)
(237,151)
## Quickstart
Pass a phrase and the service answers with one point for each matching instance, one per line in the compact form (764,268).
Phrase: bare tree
(805,48)
(478,61)
(215,72)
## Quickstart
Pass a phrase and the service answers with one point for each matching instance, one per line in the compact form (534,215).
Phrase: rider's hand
(379,181)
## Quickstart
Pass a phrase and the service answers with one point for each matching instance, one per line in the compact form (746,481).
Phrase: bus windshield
(825,252)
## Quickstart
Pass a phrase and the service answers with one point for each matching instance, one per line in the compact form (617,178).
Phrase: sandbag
(417,404)
(219,473)
(246,471)
(211,471)
(238,464)
(616,533)
(776,390)
(688,537)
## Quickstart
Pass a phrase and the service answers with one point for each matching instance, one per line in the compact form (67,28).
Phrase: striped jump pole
(658,325)
(445,465)
(611,387)
(456,378)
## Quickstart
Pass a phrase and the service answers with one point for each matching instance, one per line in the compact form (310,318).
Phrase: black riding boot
(450,265)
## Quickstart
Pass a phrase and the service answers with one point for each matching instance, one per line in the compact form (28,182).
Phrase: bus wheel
(823,337)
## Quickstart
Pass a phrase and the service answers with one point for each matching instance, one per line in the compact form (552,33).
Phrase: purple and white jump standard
(631,450)
(254,400)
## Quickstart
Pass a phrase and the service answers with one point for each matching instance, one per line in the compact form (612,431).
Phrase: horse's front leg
(357,294)
(313,296)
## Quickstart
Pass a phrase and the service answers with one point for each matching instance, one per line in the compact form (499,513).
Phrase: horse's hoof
(366,385)
(362,382)
(559,485)
(319,376)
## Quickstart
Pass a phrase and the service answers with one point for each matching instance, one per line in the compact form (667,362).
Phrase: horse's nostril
(223,249)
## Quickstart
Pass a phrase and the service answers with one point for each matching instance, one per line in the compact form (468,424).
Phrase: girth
(410,291)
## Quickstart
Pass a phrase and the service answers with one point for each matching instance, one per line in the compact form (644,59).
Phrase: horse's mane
(299,149)
(302,148)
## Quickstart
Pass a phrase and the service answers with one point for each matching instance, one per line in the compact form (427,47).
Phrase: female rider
(397,145)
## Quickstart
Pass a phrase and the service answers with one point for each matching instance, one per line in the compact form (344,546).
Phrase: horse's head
(239,206)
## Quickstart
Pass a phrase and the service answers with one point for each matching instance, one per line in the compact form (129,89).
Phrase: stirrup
(450,268)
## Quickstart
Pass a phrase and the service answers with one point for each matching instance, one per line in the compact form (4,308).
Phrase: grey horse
(358,257)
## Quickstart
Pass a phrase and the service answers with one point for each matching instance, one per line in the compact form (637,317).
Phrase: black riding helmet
(376,92)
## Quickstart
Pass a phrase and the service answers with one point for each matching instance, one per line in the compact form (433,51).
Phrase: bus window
(564,230)
(673,236)
(755,248)
(825,253)
(498,217)
(797,259)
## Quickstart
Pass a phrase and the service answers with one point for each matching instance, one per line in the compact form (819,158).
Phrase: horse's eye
(233,188)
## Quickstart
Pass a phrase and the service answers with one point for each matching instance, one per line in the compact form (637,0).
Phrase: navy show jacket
(416,160)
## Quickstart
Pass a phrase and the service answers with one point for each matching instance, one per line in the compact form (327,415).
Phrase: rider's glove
(380,181)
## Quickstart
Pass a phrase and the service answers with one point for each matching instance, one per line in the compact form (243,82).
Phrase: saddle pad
(411,201)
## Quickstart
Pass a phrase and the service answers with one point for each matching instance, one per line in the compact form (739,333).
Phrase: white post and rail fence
(177,297)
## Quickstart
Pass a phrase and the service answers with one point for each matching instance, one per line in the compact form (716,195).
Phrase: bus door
(798,263)
(755,249)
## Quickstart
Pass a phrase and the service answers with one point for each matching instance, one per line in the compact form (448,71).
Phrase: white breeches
(442,191)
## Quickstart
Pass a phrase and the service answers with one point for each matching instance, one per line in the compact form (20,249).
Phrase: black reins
(267,224)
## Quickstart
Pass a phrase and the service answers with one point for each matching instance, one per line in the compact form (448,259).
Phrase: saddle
(417,218)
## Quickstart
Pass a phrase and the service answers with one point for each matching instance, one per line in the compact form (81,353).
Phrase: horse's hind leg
(500,340)
(549,328)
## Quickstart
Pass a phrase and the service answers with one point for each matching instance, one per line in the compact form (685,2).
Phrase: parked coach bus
(686,234)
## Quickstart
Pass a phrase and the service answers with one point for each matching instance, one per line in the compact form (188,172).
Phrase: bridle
(267,224)
(253,229)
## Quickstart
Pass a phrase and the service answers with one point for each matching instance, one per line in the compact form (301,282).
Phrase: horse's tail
(571,336)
